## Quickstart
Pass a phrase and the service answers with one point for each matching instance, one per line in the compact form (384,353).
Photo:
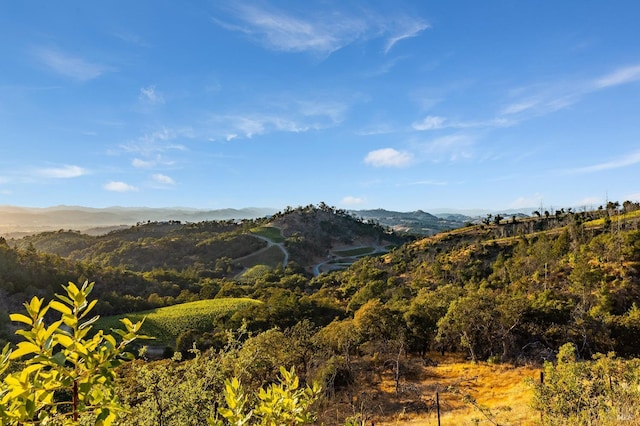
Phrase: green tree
(66,372)
(604,391)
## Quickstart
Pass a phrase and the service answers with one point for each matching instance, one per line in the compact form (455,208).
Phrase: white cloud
(620,76)
(315,31)
(151,96)
(69,65)
(410,29)
(352,201)
(541,99)
(151,149)
(430,122)
(64,172)
(520,106)
(142,164)
(629,160)
(163,179)
(306,117)
(281,31)
(388,157)
(526,202)
(119,187)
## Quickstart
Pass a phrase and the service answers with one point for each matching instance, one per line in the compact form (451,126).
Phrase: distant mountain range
(417,222)
(20,221)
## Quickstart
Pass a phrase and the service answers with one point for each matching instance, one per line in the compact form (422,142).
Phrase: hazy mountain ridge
(18,221)
(416,222)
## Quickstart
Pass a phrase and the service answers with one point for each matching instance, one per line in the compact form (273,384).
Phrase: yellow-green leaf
(65,341)
(60,307)
(24,348)
(21,318)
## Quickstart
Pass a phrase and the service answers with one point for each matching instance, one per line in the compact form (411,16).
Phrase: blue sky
(397,105)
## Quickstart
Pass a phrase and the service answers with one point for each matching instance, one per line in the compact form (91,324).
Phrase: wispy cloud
(620,76)
(64,172)
(452,147)
(151,96)
(159,141)
(376,129)
(628,160)
(291,116)
(388,157)
(432,122)
(541,99)
(409,28)
(163,179)
(352,201)
(315,31)
(68,65)
(117,186)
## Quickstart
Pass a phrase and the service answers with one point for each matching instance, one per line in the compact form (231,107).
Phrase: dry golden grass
(500,389)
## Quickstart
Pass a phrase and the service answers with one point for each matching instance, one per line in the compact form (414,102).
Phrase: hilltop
(16,222)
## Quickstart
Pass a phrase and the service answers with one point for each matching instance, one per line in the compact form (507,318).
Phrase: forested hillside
(509,290)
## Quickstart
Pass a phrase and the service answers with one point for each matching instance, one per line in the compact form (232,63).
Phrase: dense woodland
(511,290)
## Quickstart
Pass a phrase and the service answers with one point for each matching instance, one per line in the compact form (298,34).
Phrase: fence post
(541,382)
(438,406)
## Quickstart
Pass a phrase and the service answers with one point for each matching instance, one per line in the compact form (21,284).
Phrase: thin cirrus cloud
(316,32)
(68,65)
(454,147)
(433,122)
(65,172)
(628,160)
(544,99)
(307,117)
(410,29)
(620,76)
(388,157)
(118,186)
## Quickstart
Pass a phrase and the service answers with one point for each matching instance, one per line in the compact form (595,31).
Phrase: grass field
(500,392)
(165,324)
(269,232)
(614,219)
(273,256)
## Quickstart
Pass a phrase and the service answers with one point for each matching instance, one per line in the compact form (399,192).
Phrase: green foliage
(604,391)
(66,373)
(284,403)
(269,232)
(166,324)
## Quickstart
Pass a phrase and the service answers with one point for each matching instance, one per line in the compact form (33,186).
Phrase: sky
(402,105)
